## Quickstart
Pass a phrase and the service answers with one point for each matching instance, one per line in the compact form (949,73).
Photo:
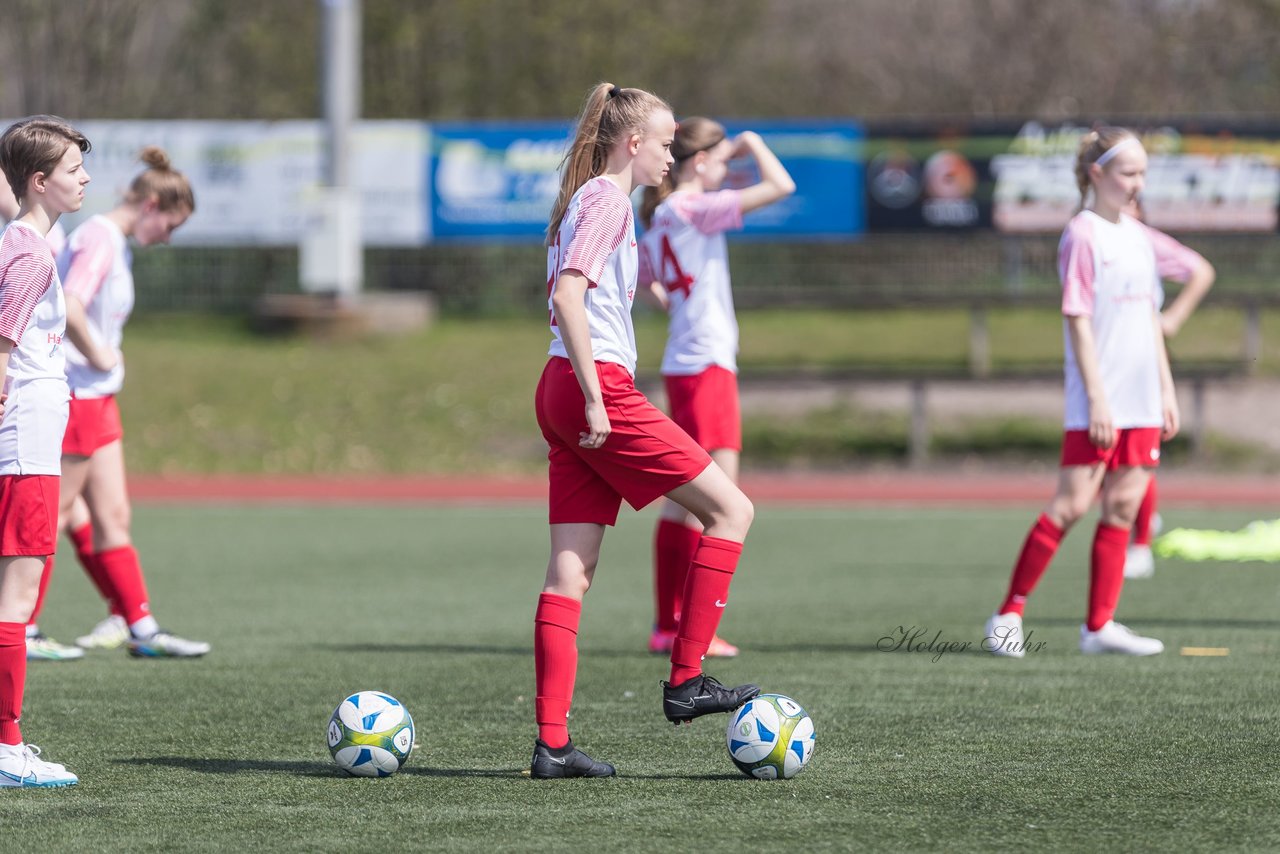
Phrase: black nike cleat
(702,695)
(568,761)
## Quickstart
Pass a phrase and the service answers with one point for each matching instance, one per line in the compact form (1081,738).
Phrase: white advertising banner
(256,183)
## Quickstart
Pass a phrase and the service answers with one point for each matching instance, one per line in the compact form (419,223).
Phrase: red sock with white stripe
(1106,573)
(82,540)
(555,665)
(1037,552)
(1142,522)
(121,568)
(45,575)
(706,592)
(13,677)
(673,548)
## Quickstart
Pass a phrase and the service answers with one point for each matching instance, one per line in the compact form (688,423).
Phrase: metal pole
(341,85)
(331,253)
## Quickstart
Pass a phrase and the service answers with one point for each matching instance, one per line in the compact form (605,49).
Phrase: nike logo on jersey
(633,243)
(720,604)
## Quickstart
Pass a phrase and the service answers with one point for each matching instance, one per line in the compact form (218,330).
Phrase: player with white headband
(1120,401)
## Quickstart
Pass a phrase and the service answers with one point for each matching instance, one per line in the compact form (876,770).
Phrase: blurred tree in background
(439,59)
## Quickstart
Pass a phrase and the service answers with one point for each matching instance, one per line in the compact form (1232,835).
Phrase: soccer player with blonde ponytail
(606,441)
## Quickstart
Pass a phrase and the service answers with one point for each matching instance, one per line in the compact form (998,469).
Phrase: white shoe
(1003,635)
(21,767)
(40,647)
(1138,562)
(109,634)
(1116,637)
(166,645)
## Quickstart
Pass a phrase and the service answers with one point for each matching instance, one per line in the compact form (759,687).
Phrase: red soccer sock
(555,665)
(1106,573)
(1037,552)
(706,592)
(123,572)
(82,539)
(45,575)
(13,677)
(673,548)
(1142,522)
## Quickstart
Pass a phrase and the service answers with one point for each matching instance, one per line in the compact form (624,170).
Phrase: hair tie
(1111,152)
(614,91)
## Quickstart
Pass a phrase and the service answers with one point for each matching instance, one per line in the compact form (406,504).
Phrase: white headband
(1116,149)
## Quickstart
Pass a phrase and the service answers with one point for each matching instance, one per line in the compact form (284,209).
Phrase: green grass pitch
(915,750)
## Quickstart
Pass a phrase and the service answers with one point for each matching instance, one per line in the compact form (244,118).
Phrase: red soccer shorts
(1134,447)
(94,423)
(644,457)
(706,407)
(28,514)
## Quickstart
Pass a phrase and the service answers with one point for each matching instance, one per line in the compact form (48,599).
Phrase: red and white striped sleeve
(1076,269)
(24,278)
(92,255)
(601,225)
(1174,261)
(711,213)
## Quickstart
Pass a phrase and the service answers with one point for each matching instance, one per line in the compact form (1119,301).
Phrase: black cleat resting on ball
(702,695)
(568,761)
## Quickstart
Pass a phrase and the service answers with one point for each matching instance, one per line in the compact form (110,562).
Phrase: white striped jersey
(685,251)
(96,269)
(597,237)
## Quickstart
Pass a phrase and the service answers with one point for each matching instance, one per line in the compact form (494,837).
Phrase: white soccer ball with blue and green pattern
(370,734)
(770,737)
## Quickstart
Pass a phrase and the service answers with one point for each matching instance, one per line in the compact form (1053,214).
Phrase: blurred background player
(43,159)
(606,441)
(684,270)
(1120,400)
(1197,275)
(97,271)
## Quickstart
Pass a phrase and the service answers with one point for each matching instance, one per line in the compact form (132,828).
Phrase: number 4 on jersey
(673,276)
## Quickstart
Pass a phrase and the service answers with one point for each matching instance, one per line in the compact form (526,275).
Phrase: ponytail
(160,181)
(608,116)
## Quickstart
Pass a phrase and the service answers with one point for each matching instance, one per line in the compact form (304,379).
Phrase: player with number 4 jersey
(684,270)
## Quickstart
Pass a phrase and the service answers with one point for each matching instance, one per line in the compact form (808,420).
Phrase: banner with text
(1020,178)
(255,182)
(499,180)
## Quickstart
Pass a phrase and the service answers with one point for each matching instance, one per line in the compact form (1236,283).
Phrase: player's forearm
(1202,279)
(82,338)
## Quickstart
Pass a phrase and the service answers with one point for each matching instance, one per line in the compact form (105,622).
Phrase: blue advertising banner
(494,180)
(825,159)
(497,181)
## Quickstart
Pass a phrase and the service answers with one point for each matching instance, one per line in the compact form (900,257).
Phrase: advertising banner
(499,180)
(1019,178)
(255,182)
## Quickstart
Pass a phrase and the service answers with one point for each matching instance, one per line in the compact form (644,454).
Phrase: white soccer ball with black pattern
(370,734)
(770,737)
